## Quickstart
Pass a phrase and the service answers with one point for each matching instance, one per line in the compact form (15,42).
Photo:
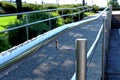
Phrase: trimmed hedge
(18,36)
(95,8)
(4,44)
(8,7)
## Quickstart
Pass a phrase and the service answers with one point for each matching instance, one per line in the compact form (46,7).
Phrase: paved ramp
(48,63)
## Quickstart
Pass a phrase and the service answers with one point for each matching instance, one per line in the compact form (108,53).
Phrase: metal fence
(81,53)
(79,11)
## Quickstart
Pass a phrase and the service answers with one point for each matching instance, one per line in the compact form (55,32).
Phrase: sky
(90,2)
(101,3)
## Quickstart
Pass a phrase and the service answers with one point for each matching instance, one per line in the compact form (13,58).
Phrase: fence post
(81,59)
(83,12)
(27,31)
(104,46)
(79,14)
(49,21)
(63,17)
(72,15)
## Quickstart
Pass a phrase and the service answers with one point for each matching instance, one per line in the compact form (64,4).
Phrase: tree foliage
(114,3)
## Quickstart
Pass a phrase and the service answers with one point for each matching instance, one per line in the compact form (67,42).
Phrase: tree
(83,2)
(19,8)
(114,3)
(82,14)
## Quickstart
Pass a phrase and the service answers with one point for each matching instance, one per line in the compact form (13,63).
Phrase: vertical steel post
(104,50)
(63,17)
(49,21)
(83,12)
(72,16)
(79,14)
(81,59)
(110,17)
(107,30)
(27,31)
(57,44)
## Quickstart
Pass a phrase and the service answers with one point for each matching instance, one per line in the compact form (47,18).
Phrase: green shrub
(30,7)
(68,20)
(4,45)
(51,6)
(8,7)
(40,16)
(95,8)
(55,22)
(18,36)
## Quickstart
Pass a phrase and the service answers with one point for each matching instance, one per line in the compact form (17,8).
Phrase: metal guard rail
(39,21)
(42,11)
(92,48)
(105,28)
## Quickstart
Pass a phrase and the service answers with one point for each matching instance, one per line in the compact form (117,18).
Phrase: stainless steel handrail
(108,12)
(42,11)
(39,21)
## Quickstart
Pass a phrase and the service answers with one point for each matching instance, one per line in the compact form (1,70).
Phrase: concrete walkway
(48,63)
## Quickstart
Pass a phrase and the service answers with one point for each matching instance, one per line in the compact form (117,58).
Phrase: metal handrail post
(83,12)
(104,50)
(109,22)
(49,20)
(27,30)
(79,14)
(63,17)
(81,59)
(107,31)
(110,17)
(72,15)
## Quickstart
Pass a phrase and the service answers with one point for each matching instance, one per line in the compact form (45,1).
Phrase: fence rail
(80,66)
(49,10)
(79,9)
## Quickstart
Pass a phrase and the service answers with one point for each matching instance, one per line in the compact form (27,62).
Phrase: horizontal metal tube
(35,22)
(39,11)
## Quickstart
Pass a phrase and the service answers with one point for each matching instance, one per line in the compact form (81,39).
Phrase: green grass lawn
(4,21)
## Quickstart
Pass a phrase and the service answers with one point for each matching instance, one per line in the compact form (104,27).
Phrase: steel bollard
(81,59)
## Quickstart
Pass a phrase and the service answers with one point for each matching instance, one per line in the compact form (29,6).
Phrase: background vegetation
(115,4)
(18,36)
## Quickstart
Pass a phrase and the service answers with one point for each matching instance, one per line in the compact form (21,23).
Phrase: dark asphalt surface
(113,59)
